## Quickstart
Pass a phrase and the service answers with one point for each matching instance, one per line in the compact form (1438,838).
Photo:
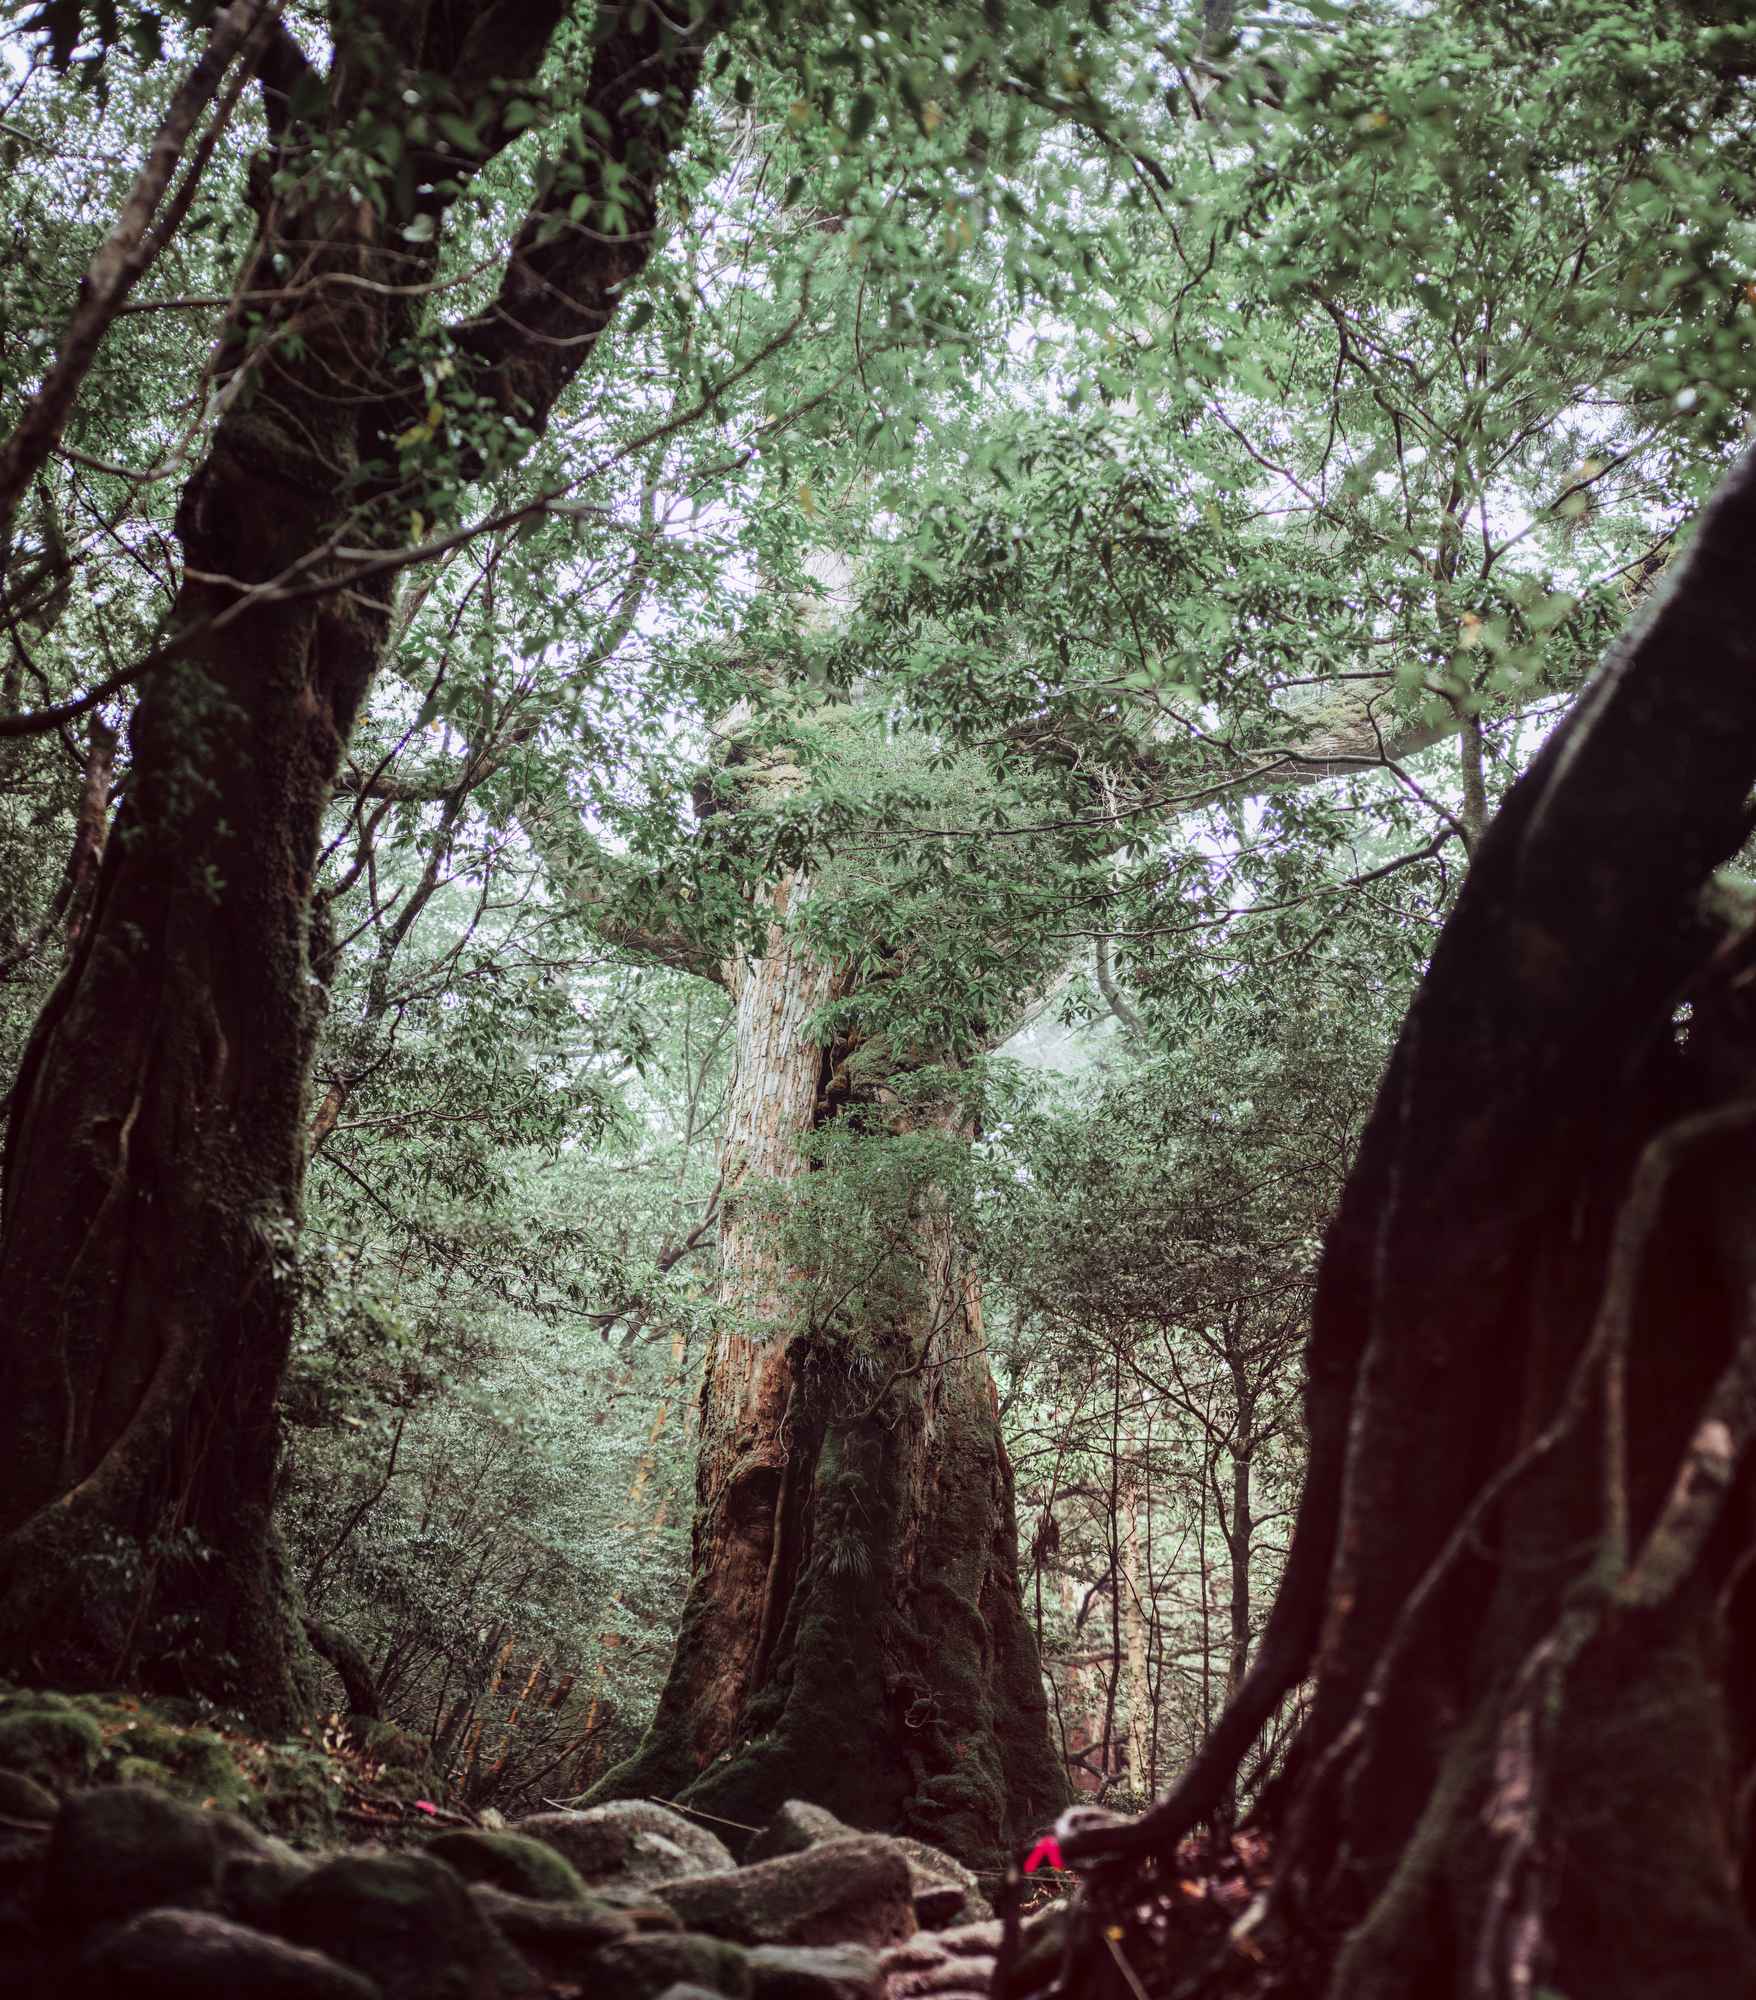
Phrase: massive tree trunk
(1522,1569)
(158,1132)
(854,1632)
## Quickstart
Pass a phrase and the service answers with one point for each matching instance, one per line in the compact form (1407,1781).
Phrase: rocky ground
(143,1857)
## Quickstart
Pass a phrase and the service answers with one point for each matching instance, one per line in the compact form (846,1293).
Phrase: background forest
(1102,502)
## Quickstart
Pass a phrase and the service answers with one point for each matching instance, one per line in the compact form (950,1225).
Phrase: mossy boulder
(407,1921)
(24,1798)
(124,1849)
(853,1891)
(630,1842)
(641,1968)
(521,1867)
(946,1892)
(256,1872)
(558,1929)
(1042,1940)
(797,1825)
(45,1738)
(192,1764)
(830,1972)
(189,1955)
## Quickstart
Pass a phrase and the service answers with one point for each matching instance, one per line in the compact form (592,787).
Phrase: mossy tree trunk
(157,1140)
(854,1632)
(1523,1572)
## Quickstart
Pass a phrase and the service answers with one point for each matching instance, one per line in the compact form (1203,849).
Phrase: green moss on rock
(125,1848)
(406,1921)
(522,1867)
(24,1798)
(191,1764)
(55,1746)
(640,1968)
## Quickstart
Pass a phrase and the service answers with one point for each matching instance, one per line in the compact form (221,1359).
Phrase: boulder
(938,1965)
(190,1955)
(24,1948)
(23,1798)
(830,1972)
(630,1841)
(56,1747)
(947,1893)
(797,1825)
(253,1886)
(638,1903)
(551,1933)
(191,1764)
(853,1891)
(520,1866)
(408,1922)
(641,1968)
(125,1849)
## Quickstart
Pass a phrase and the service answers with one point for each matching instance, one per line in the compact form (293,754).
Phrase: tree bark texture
(1521,1572)
(158,1132)
(854,1632)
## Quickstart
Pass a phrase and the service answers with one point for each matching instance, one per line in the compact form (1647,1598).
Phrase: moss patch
(316,1788)
(49,1741)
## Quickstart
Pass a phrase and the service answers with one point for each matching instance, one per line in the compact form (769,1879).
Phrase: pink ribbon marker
(425,1805)
(1046,1854)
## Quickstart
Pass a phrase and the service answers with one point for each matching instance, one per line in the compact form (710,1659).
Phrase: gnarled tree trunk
(854,1632)
(157,1141)
(1522,1570)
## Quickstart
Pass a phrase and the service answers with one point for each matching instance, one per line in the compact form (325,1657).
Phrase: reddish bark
(1520,1572)
(854,1632)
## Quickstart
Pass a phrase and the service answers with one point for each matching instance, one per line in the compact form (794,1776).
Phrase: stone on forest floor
(945,1891)
(24,1798)
(126,1849)
(954,1976)
(641,1968)
(554,1930)
(797,1825)
(191,1764)
(640,1904)
(55,1746)
(630,1841)
(520,1866)
(190,1955)
(825,1972)
(407,1921)
(256,1869)
(935,1873)
(943,1963)
(854,1891)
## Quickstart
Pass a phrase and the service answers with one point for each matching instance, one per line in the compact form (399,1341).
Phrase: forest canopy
(730,741)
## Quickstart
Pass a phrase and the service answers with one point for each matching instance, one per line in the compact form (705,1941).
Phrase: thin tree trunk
(1140,1729)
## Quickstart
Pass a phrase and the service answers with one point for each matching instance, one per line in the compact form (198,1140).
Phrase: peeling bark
(855,1631)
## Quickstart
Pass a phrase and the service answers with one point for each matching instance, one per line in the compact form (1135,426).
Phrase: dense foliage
(1135,490)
